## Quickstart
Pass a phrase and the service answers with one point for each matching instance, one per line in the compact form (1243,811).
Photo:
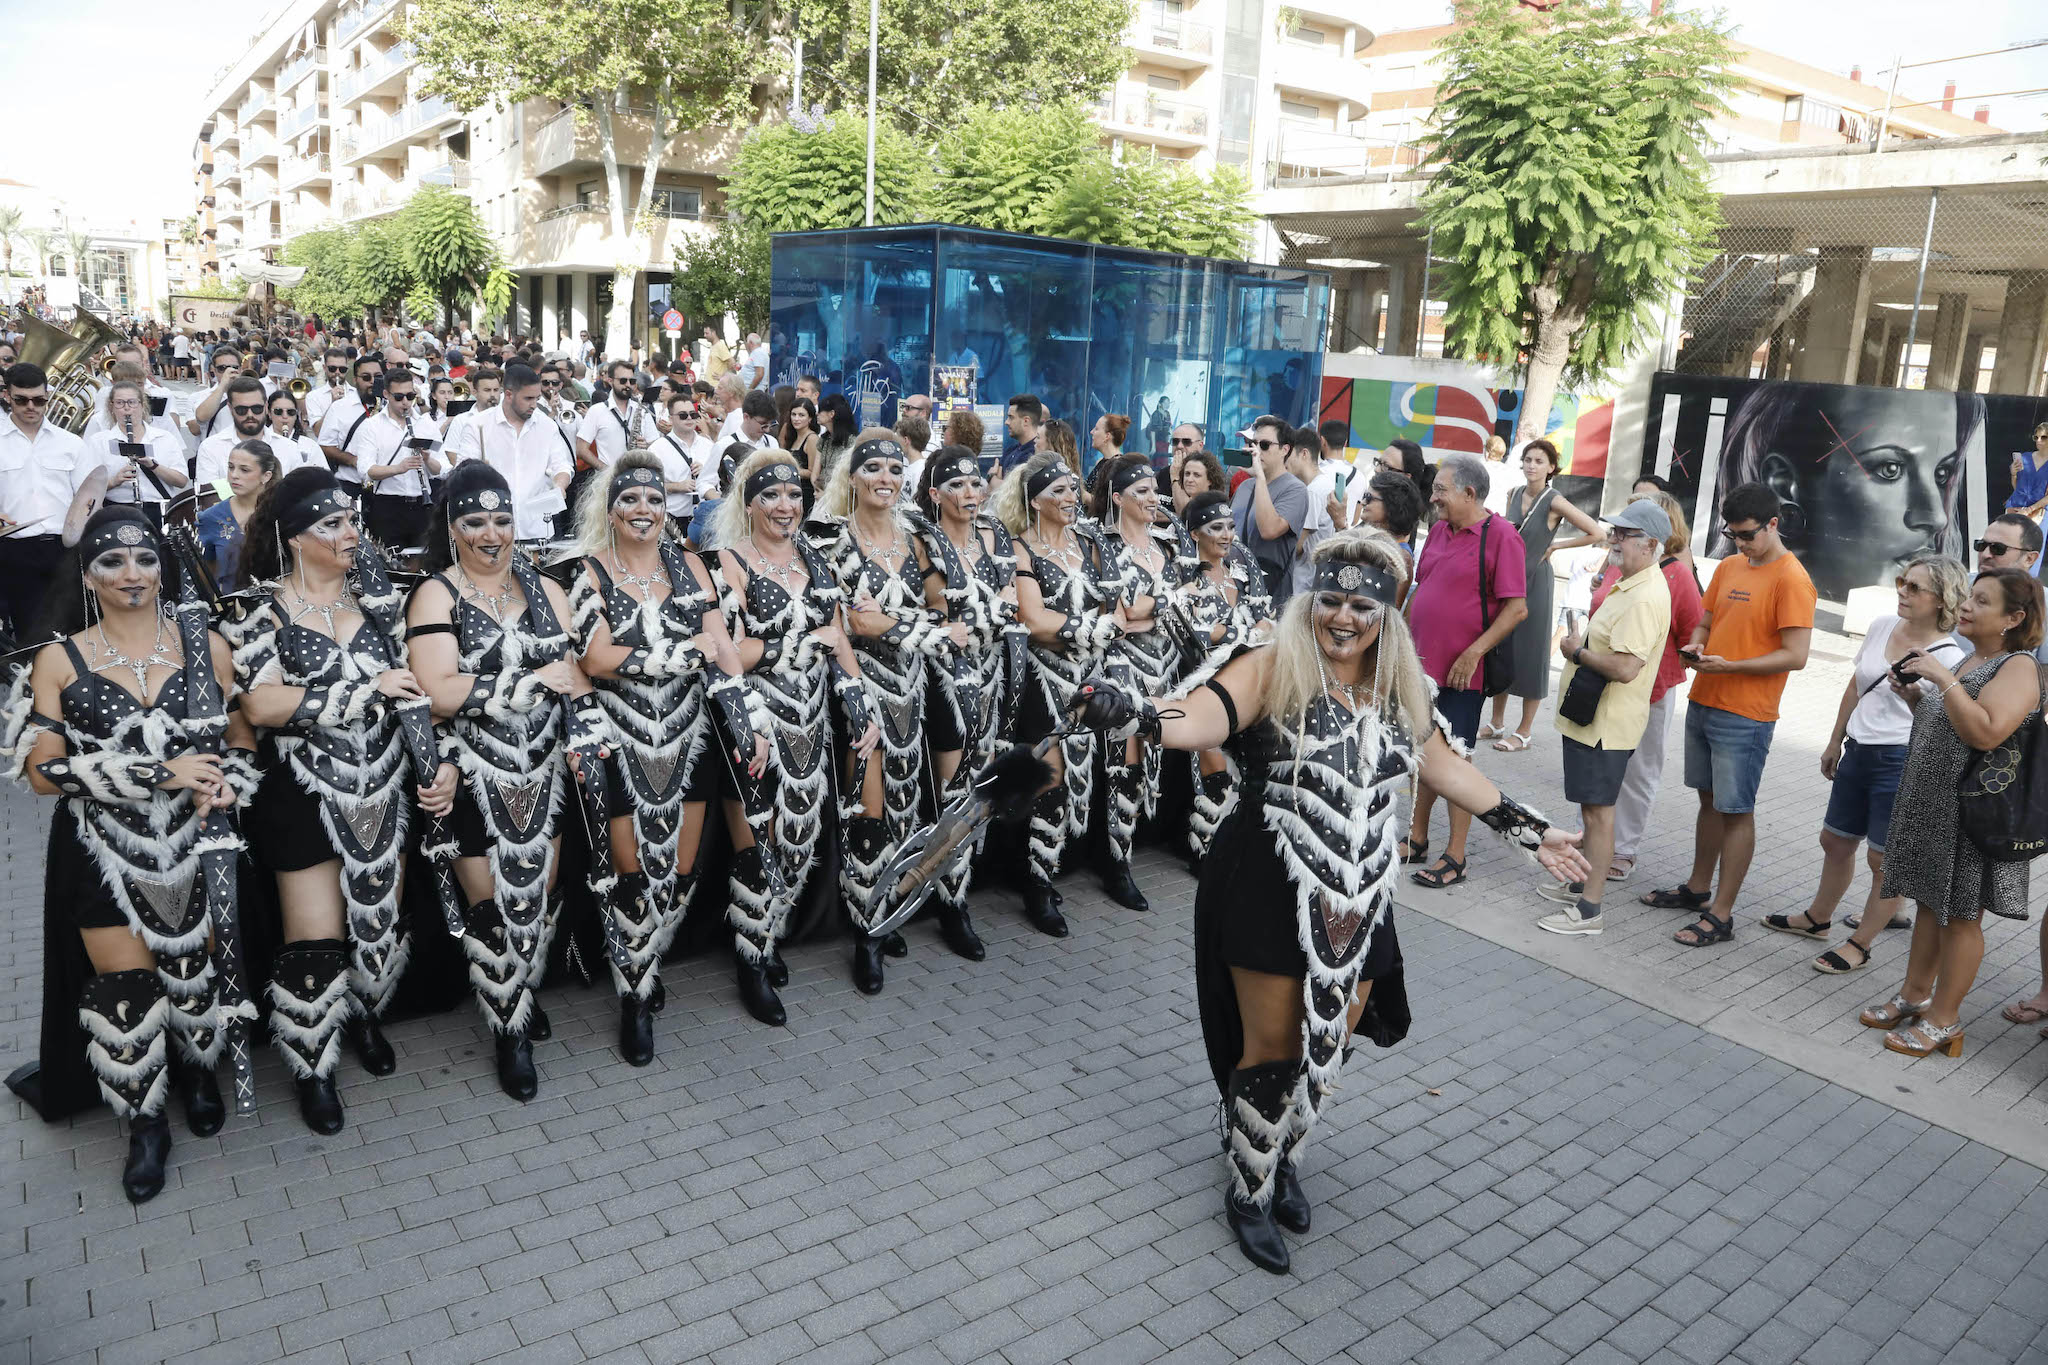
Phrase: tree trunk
(618,336)
(1560,315)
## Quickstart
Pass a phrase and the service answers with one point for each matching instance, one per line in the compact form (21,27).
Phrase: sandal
(1621,869)
(1722,932)
(1900,921)
(1449,871)
(1679,897)
(2024,1012)
(1833,963)
(1492,731)
(1893,1012)
(1784,925)
(1512,744)
(1922,1039)
(1413,854)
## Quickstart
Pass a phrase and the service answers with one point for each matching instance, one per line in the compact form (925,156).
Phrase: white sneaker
(1564,893)
(1566,922)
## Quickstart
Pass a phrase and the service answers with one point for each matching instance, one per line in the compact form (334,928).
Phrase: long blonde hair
(1393,671)
(1012,508)
(729,525)
(594,506)
(835,502)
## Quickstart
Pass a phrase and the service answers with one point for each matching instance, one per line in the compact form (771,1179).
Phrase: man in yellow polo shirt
(1622,644)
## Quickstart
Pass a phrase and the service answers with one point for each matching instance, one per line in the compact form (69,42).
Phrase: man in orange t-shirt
(1756,625)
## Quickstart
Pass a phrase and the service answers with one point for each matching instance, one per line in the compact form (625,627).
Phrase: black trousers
(27,564)
(396,521)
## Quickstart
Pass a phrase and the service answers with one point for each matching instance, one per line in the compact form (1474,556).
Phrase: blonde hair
(594,505)
(1951,585)
(1393,671)
(729,525)
(1011,507)
(1681,532)
(1496,449)
(835,500)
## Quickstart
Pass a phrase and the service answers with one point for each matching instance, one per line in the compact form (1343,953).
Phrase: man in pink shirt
(1453,630)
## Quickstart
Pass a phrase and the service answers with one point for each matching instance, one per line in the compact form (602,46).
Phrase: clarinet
(218,845)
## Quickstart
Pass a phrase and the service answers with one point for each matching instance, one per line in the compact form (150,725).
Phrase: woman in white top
(1867,753)
(286,434)
(129,472)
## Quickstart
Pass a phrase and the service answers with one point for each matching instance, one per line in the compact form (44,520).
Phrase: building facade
(323,120)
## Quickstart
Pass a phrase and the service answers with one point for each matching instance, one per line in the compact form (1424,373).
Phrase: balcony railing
(300,66)
(296,170)
(354,81)
(225,168)
(403,124)
(453,174)
(352,21)
(255,102)
(602,207)
(1135,109)
(299,120)
(1174,35)
(257,145)
(1306,155)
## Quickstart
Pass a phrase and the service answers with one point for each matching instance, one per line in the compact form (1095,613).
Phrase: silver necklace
(868,550)
(785,574)
(492,604)
(1146,555)
(109,657)
(1067,556)
(632,580)
(324,610)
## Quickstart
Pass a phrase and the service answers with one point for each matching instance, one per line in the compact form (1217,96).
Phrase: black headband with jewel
(1368,580)
(119,533)
(484,496)
(321,503)
(875,450)
(1209,514)
(1123,479)
(623,482)
(946,468)
(761,480)
(1045,478)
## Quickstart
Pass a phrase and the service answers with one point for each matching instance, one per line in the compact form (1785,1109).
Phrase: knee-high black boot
(867,843)
(1257,1107)
(752,919)
(632,911)
(1045,838)
(501,979)
(125,1016)
(197,1038)
(1122,814)
(309,1004)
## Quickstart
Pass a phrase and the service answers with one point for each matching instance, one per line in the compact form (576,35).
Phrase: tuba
(66,355)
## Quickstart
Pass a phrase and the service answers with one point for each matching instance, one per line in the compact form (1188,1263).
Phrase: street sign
(672,321)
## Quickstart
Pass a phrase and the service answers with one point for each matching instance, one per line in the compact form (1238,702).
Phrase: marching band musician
(779,594)
(245,406)
(321,398)
(348,412)
(621,422)
(287,437)
(459,441)
(968,728)
(102,720)
(488,642)
(891,580)
(530,449)
(689,462)
(163,454)
(644,614)
(131,364)
(394,469)
(331,817)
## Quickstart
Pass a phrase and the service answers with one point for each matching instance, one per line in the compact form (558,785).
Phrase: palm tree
(10,228)
(38,240)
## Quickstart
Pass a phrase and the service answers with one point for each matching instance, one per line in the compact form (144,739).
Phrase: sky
(118,145)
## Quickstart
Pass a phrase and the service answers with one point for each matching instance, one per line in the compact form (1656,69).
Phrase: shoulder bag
(1497,670)
(2002,796)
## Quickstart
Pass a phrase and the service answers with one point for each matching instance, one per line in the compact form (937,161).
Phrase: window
(677,202)
(1301,110)
(587,192)
(1163,82)
(1309,37)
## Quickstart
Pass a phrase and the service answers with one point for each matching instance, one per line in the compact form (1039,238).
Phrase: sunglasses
(1184,440)
(19,400)
(1741,537)
(1984,547)
(282,411)
(243,409)
(1903,585)
(551,383)
(1265,445)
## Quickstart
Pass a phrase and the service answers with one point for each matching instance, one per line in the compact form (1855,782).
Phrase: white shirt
(38,478)
(728,429)
(167,424)
(1880,716)
(460,440)
(1317,524)
(212,460)
(223,416)
(696,460)
(164,447)
(755,371)
(602,427)
(319,401)
(529,457)
(382,441)
(181,346)
(334,430)
(293,452)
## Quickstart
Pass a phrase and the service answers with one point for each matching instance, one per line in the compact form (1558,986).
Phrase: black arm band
(430,628)
(1229,706)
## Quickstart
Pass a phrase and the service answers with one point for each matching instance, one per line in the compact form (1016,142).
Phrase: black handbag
(1497,670)
(1581,699)
(2002,796)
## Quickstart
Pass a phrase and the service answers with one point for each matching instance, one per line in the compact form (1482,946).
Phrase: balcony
(355,19)
(299,120)
(452,174)
(300,67)
(226,170)
(1356,14)
(306,218)
(1176,42)
(254,105)
(258,146)
(294,171)
(230,211)
(363,201)
(579,236)
(383,135)
(1312,155)
(374,75)
(1322,69)
(569,142)
(1148,116)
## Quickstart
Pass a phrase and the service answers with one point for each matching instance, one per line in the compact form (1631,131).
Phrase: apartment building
(323,120)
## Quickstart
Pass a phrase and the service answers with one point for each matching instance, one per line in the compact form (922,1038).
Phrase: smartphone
(1343,482)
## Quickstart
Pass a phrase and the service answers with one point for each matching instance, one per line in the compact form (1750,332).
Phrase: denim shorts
(1866,781)
(1724,755)
(1460,708)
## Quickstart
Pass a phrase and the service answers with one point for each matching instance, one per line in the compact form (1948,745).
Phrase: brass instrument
(107,364)
(461,389)
(298,388)
(67,357)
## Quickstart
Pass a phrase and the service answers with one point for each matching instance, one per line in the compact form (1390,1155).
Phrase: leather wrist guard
(1516,823)
(330,707)
(115,779)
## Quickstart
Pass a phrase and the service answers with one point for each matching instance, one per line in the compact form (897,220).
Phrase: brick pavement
(1015,1161)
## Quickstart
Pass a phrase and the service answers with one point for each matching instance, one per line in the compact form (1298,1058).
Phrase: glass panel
(1151,359)
(854,309)
(1016,309)
(1272,348)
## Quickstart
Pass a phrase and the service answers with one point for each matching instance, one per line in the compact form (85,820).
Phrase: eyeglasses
(1994,548)
(21,400)
(244,409)
(1184,440)
(1742,537)
(1621,535)
(551,383)
(281,412)
(1265,445)
(1906,585)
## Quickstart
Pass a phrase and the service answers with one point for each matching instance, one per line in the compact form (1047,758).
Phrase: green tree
(725,272)
(38,240)
(378,273)
(680,64)
(328,287)
(1571,195)
(499,287)
(447,248)
(936,60)
(1004,168)
(811,172)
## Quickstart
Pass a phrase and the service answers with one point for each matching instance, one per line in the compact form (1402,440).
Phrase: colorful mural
(1447,418)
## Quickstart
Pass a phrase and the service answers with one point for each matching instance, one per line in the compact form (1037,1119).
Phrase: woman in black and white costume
(1067,597)
(490,649)
(644,614)
(784,609)
(1145,556)
(102,720)
(1324,725)
(1227,609)
(892,574)
(331,818)
(981,593)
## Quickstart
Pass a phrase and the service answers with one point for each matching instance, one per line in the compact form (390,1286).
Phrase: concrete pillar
(1945,346)
(2022,335)
(1877,339)
(1973,363)
(1894,357)
(1835,314)
(1404,308)
(1360,318)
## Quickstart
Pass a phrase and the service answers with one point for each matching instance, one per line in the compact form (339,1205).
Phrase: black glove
(1110,710)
